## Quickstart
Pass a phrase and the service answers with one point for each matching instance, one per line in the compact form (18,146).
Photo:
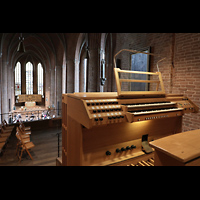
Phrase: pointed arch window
(40,78)
(18,79)
(29,78)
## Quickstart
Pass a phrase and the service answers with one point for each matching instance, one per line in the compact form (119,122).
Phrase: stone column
(52,91)
(10,83)
(93,71)
(0,86)
(4,87)
(58,87)
(47,87)
(70,75)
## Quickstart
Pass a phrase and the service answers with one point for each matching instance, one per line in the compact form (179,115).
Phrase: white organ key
(156,111)
(150,104)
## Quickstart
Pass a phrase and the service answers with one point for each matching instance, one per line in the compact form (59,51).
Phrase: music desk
(182,149)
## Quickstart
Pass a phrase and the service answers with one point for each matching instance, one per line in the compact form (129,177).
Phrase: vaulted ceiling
(47,48)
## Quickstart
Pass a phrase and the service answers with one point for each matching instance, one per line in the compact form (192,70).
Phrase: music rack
(122,93)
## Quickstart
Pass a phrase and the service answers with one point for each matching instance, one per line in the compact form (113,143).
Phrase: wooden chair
(25,128)
(6,124)
(5,133)
(23,144)
(25,138)
(6,129)
(23,131)
(1,146)
(23,135)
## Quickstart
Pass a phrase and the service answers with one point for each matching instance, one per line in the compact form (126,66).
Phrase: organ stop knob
(108,153)
(123,149)
(118,150)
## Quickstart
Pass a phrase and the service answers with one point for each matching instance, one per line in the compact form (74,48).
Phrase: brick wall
(181,68)
(187,73)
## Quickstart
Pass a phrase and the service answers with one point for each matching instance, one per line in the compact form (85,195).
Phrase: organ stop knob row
(118,150)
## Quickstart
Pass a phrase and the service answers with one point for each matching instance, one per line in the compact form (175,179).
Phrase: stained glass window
(40,78)
(29,78)
(18,79)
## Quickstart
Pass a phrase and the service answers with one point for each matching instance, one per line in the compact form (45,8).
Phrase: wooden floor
(44,153)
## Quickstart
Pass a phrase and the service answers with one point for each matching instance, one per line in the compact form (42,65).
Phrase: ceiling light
(21,47)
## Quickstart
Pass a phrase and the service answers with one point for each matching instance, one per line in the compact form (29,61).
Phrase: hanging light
(87,53)
(21,47)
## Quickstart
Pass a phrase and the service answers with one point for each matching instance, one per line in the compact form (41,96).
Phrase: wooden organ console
(101,129)
(115,128)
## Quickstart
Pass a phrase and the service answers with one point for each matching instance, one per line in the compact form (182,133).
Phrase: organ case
(101,129)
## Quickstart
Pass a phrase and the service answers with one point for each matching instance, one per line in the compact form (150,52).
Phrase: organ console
(115,128)
(101,129)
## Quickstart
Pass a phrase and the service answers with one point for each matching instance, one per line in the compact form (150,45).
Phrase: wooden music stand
(119,81)
(156,92)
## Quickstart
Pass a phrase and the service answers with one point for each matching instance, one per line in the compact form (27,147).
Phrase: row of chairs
(5,134)
(24,144)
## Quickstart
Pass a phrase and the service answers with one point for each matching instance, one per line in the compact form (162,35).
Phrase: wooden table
(30,104)
(182,149)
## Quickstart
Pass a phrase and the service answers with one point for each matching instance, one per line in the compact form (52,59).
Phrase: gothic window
(29,78)
(40,78)
(18,79)
(85,74)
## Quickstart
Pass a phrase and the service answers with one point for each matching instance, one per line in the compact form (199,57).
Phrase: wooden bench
(4,136)
(180,149)
(6,125)
(6,131)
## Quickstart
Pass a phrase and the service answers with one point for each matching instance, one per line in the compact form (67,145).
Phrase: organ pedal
(149,162)
(145,144)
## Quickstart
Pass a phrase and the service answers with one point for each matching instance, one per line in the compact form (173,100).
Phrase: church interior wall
(180,70)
